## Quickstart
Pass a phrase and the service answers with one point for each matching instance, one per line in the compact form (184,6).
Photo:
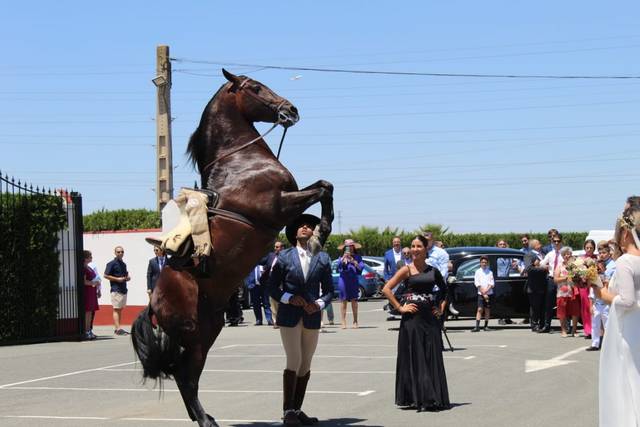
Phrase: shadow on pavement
(335,422)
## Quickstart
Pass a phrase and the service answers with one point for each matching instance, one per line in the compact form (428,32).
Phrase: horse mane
(196,148)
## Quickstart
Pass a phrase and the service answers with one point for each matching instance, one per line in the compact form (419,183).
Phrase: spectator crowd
(548,288)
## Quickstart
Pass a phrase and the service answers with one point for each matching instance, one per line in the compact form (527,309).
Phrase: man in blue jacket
(302,284)
(391,258)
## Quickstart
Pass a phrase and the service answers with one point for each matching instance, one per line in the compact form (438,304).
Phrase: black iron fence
(41,264)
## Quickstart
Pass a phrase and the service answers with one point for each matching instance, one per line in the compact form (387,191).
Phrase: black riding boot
(301,389)
(290,418)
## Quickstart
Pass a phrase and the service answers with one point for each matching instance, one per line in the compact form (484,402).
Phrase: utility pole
(164,184)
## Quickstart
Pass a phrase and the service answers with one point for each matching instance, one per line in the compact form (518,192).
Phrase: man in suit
(549,248)
(153,269)
(302,284)
(259,295)
(391,258)
(536,287)
(267,264)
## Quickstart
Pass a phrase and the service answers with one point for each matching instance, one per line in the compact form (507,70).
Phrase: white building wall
(137,253)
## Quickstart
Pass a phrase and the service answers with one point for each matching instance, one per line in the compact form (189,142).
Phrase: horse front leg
(295,203)
(187,378)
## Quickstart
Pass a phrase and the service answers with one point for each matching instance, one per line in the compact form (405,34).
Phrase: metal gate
(41,264)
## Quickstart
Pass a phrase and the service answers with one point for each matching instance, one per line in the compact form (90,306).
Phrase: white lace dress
(619,391)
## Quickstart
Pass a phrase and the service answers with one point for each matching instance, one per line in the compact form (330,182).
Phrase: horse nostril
(294,110)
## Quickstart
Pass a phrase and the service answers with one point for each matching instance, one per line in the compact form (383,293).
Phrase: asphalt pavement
(504,377)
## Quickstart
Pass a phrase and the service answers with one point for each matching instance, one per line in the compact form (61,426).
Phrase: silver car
(375,262)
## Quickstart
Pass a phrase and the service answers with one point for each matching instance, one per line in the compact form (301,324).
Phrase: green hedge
(29,265)
(122,219)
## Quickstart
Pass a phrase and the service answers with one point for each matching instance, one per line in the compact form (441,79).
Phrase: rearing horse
(173,335)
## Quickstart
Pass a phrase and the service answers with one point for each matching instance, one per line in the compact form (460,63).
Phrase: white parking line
(323,356)
(485,345)
(66,375)
(262,371)
(53,417)
(175,390)
(321,345)
(350,345)
(186,420)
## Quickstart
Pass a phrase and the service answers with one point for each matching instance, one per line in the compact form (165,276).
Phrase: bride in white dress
(619,391)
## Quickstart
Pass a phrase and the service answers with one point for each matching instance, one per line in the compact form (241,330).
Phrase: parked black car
(510,294)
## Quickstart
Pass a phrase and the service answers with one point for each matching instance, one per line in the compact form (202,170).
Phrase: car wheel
(453,310)
(362,295)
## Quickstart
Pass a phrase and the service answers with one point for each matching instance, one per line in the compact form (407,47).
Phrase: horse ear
(231,77)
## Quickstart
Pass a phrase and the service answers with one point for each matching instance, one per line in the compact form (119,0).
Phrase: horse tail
(157,351)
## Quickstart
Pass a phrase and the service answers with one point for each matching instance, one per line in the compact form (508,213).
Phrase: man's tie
(555,261)
(304,262)
(160,263)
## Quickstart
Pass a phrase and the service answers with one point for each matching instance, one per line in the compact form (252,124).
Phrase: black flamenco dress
(421,382)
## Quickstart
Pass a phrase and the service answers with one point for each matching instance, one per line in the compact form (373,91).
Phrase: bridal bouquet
(584,270)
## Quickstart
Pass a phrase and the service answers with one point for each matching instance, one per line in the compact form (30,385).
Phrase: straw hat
(349,242)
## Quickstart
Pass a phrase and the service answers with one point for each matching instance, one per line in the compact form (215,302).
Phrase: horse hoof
(314,244)
(209,421)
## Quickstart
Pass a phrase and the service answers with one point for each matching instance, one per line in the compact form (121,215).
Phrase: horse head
(258,103)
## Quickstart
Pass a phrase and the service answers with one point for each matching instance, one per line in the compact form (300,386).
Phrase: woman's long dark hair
(423,239)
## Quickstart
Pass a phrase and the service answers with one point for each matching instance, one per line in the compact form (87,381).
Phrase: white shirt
(550,259)
(397,255)
(439,258)
(483,279)
(98,278)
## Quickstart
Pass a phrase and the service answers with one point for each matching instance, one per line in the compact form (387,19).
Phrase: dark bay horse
(173,335)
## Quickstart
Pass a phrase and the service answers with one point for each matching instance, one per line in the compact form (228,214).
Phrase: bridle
(282,118)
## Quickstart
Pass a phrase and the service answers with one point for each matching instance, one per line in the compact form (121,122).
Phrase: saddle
(191,237)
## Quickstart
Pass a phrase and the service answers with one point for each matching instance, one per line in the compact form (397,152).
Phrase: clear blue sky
(474,154)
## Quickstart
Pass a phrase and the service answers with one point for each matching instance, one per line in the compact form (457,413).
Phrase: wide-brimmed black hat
(292,228)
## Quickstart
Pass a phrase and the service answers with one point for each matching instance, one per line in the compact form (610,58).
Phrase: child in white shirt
(485,283)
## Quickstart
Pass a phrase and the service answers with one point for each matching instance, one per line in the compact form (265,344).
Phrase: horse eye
(255,88)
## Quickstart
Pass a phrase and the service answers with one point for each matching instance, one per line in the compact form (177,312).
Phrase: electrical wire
(401,73)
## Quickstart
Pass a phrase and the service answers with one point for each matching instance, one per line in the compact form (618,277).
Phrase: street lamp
(159,81)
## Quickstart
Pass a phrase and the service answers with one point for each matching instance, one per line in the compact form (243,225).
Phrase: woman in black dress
(421,382)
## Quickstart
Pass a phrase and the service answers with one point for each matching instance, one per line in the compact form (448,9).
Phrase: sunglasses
(119,252)
(557,241)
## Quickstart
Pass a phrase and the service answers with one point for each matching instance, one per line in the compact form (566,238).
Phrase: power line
(359,53)
(350,134)
(398,73)
(482,110)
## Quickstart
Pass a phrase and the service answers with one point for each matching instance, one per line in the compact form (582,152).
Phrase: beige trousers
(299,346)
